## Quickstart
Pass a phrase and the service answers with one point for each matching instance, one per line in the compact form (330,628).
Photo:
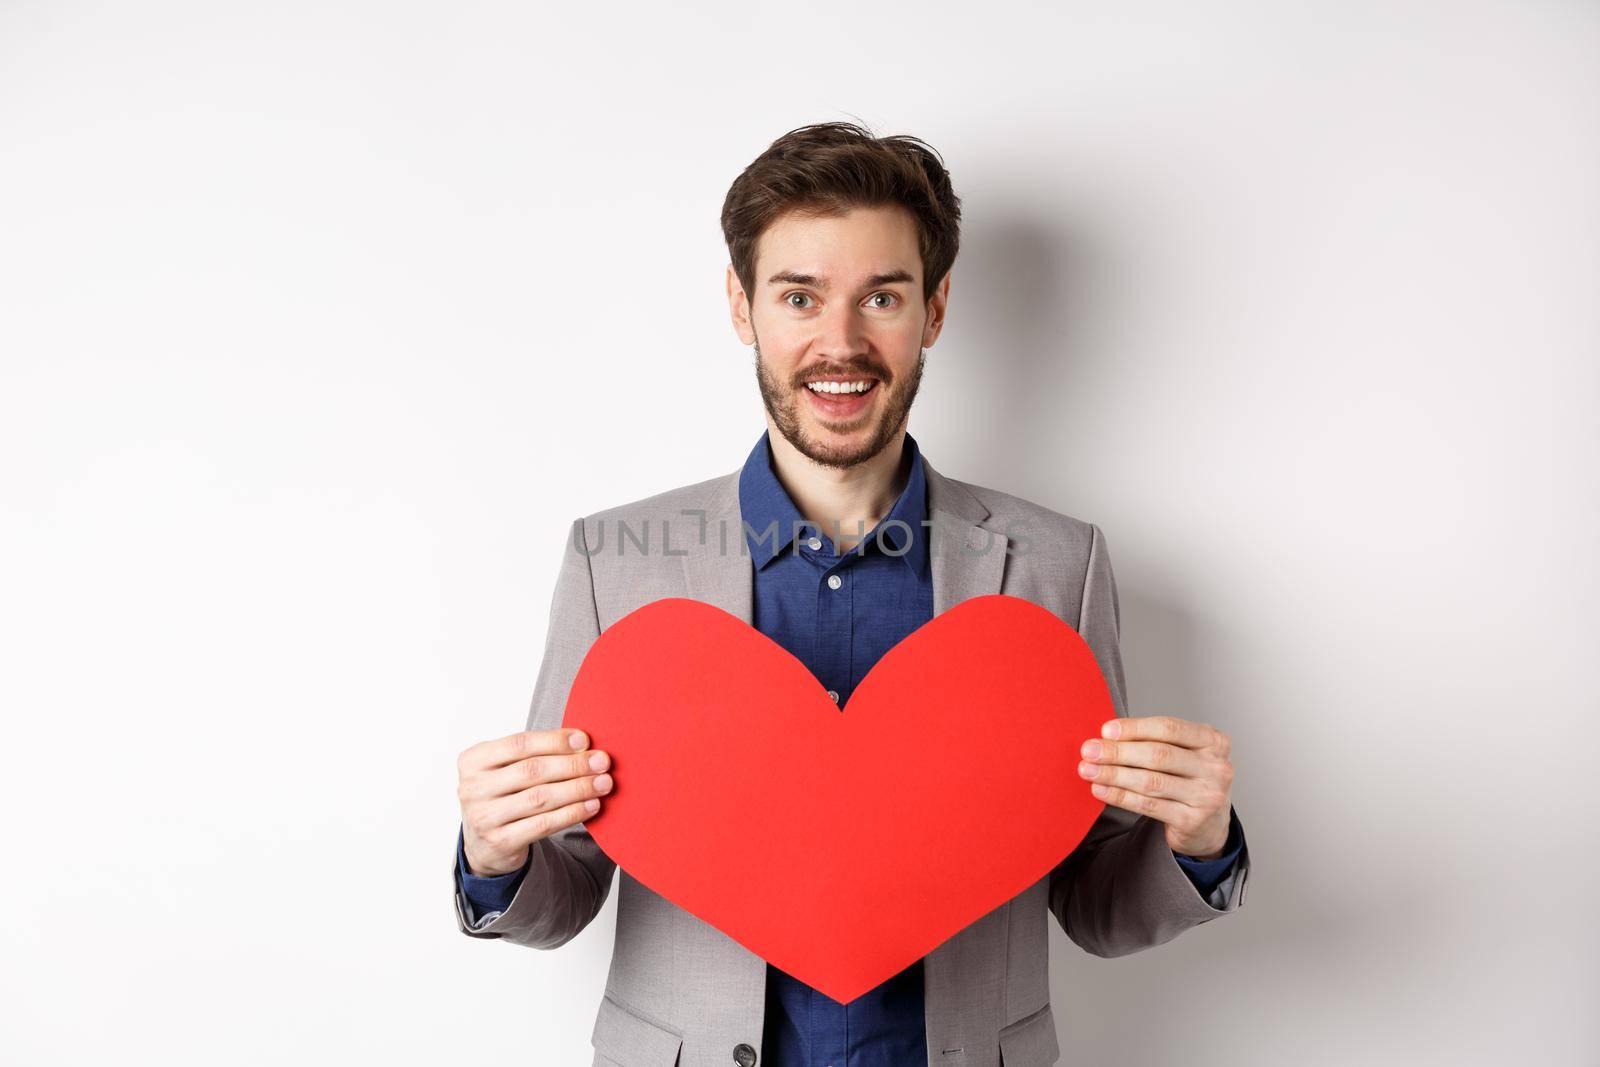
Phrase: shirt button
(744,1055)
(834,581)
(815,542)
(833,695)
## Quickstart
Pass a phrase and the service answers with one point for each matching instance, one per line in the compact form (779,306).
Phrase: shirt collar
(771,518)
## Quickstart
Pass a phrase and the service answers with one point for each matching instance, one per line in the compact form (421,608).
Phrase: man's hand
(1175,771)
(523,787)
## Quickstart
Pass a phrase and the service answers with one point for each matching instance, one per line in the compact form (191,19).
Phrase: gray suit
(680,991)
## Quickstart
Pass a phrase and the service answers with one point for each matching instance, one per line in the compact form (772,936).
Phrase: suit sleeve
(1122,889)
(567,877)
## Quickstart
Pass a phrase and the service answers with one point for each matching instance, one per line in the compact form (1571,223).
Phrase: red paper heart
(841,847)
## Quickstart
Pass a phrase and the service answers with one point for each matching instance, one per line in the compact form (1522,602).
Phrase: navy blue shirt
(837,613)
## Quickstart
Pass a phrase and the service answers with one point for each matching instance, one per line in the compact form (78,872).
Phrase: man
(837,538)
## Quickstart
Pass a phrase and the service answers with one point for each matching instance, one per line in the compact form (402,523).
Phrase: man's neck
(845,504)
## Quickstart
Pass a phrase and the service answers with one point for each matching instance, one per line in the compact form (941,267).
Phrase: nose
(841,334)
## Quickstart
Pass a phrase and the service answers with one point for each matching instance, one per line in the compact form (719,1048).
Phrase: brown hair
(830,167)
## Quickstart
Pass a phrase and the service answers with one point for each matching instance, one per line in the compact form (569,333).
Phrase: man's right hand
(523,787)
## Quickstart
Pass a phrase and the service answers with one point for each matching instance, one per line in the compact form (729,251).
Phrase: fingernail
(577,740)
(1099,790)
(592,804)
(597,762)
(602,783)
(1091,750)
(1112,729)
(1088,770)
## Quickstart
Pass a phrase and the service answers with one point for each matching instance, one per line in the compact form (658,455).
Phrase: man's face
(838,300)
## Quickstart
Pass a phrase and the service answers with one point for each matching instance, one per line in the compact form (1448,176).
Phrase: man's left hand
(1172,770)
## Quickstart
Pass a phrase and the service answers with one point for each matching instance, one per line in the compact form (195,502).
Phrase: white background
(318,322)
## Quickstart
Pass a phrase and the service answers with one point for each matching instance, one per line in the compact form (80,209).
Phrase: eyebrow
(794,278)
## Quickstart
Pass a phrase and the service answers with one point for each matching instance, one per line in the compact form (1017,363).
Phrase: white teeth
(839,387)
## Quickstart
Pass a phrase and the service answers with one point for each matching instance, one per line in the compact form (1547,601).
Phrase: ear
(937,303)
(739,308)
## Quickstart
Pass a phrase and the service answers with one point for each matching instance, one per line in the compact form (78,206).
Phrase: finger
(504,781)
(1148,783)
(518,746)
(1170,812)
(544,797)
(1155,755)
(534,827)
(1166,728)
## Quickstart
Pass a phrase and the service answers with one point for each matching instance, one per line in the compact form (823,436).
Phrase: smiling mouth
(841,398)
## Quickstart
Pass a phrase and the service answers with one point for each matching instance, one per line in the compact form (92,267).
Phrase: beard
(783,405)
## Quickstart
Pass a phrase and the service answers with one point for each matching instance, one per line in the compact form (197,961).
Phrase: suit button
(744,1055)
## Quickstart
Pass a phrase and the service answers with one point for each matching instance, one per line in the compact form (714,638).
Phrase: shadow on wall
(1026,307)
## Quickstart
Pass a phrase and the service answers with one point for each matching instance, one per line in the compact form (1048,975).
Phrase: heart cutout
(841,846)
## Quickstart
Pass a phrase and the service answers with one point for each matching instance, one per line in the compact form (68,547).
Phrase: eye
(790,300)
(891,296)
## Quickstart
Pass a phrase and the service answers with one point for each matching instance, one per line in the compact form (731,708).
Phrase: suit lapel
(968,559)
(718,568)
